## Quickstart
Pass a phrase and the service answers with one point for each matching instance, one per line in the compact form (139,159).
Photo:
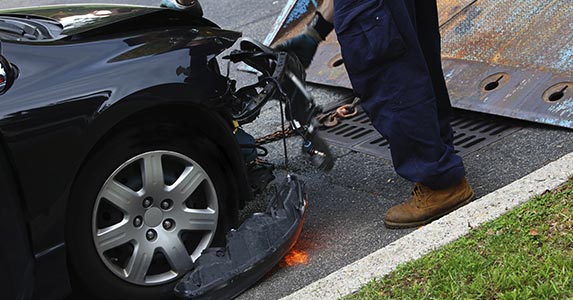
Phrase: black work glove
(304,45)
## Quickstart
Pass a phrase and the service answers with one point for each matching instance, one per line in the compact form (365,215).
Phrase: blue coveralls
(391,50)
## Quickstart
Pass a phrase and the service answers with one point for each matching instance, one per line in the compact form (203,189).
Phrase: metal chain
(343,112)
(275,136)
(326,120)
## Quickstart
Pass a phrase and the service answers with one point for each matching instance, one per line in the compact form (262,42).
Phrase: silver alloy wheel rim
(168,242)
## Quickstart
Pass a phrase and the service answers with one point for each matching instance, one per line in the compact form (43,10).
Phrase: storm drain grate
(471,132)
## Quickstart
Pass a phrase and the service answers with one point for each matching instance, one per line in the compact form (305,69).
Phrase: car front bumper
(251,251)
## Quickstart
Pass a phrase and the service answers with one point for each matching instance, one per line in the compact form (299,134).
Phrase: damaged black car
(123,159)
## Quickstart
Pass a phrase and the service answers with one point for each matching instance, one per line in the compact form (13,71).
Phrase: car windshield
(28,28)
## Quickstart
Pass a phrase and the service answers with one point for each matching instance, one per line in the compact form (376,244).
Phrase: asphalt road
(344,222)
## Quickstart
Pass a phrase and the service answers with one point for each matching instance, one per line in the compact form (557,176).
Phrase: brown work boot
(426,205)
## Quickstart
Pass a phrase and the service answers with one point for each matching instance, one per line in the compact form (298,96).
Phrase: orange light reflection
(296,257)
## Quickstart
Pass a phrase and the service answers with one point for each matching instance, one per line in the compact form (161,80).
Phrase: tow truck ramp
(502,57)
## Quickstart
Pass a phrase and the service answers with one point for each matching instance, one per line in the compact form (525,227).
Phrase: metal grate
(471,132)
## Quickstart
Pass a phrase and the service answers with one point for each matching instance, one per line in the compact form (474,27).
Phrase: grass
(525,254)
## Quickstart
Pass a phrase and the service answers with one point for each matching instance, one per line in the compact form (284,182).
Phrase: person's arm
(304,44)
(327,10)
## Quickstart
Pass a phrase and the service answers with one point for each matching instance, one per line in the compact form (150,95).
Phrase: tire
(131,236)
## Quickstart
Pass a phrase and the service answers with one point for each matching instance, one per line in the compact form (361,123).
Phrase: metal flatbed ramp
(503,57)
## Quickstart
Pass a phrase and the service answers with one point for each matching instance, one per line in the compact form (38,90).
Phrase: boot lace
(418,193)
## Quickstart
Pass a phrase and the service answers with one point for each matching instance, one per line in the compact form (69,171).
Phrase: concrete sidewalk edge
(437,234)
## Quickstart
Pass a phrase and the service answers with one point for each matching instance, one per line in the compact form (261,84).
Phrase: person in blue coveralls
(392,53)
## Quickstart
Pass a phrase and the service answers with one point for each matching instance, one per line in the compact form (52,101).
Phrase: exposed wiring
(287,101)
(264,150)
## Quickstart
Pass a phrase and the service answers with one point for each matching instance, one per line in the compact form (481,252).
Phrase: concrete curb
(440,232)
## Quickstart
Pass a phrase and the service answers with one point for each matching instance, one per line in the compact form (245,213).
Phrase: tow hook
(251,251)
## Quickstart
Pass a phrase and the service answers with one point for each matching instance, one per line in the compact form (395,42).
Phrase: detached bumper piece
(251,251)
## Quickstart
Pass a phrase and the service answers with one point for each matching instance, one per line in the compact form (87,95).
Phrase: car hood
(80,18)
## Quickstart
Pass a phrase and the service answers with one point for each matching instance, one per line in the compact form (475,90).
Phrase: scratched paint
(566,59)
(563,108)
(468,23)
(526,34)
(556,122)
(292,20)
(449,8)
(299,10)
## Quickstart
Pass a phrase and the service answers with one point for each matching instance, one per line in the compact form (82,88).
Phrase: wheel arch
(161,123)
(194,119)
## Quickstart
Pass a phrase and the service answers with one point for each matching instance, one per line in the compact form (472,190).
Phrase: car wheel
(143,208)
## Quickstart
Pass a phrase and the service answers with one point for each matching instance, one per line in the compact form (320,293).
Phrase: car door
(16,258)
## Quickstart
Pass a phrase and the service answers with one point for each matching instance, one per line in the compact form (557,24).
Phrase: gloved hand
(304,45)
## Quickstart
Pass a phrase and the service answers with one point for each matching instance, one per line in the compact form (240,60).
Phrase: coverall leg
(391,50)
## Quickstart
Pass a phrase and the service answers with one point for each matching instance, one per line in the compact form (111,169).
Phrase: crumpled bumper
(251,251)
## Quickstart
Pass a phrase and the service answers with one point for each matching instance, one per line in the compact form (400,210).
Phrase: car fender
(48,120)
(207,117)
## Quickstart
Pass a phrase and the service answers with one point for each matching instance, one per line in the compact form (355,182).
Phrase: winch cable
(284,97)
(284,137)
(293,128)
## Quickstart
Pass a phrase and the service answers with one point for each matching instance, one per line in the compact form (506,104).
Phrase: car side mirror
(7,74)
(194,7)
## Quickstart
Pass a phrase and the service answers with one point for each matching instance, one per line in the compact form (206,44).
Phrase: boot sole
(392,225)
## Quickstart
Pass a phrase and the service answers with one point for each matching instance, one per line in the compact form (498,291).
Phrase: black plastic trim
(251,251)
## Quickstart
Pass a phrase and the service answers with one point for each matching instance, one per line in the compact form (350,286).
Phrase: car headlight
(8,74)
